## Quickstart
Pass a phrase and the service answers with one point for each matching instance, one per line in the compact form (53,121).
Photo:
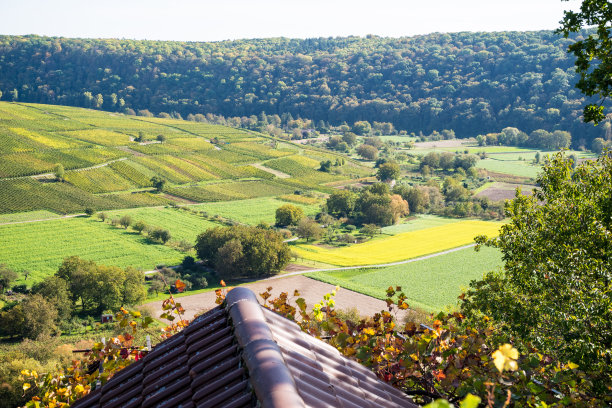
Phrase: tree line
(77,286)
(474,83)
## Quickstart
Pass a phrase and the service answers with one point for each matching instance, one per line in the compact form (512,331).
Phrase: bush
(288,214)
(188,262)
(161,235)
(125,221)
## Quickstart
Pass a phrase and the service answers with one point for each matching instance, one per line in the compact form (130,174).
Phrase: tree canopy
(555,291)
(243,251)
(593,53)
(473,83)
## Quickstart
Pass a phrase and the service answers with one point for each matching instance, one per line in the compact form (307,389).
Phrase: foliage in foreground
(555,292)
(451,360)
(65,385)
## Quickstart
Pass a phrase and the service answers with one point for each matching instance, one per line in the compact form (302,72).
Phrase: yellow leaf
(505,357)
(369,331)
(26,386)
(572,366)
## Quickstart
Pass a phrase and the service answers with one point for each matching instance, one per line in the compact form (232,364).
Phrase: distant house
(242,355)
(105,318)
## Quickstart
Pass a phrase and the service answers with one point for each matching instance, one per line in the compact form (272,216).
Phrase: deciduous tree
(288,214)
(593,53)
(555,291)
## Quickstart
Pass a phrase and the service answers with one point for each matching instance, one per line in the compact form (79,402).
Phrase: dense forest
(472,83)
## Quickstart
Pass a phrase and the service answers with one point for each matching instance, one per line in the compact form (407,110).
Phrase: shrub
(161,235)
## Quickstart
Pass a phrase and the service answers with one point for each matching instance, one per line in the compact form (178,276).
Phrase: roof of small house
(243,355)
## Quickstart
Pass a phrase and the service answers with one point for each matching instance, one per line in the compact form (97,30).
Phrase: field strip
(344,268)
(401,246)
(97,166)
(277,173)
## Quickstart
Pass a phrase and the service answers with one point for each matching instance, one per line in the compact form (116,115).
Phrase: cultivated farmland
(35,138)
(40,247)
(430,284)
(402,246)
(251,211)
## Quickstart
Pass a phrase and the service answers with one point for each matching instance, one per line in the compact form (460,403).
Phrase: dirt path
(311,290)
(277,173)
(43,219)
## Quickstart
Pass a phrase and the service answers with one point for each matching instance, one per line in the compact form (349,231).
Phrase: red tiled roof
(243,355)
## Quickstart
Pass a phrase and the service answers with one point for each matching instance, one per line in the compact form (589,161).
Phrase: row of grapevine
(99,180)
(136,173)
(63,198)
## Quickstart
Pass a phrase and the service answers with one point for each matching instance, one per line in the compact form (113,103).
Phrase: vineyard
(106,162)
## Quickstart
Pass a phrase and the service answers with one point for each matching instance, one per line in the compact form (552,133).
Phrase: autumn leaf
(180,286)
(505,357)
(222,283)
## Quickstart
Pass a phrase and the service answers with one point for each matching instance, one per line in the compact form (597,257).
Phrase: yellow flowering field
(401,246)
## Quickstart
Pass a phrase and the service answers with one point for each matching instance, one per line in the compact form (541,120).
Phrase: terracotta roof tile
(242,355)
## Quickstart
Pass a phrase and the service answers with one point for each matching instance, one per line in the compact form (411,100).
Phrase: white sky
(205,20)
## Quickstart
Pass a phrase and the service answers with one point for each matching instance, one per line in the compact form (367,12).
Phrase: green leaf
(439,404)
(470,401)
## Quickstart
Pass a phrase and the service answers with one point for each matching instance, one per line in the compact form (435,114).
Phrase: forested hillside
(469,82)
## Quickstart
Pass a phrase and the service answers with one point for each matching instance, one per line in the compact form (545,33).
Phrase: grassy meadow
(40,247)
(252,211)
(430,284)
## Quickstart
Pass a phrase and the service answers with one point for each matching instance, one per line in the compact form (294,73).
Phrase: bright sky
(206,20)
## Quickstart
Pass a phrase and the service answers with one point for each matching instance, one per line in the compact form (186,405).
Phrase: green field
(182,224)
(512,167)
(27,216)
(431,284)
(421,221)
(40,247)
(251,211)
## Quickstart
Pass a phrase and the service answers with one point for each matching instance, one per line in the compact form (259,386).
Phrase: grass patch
(512,167)
(432,284)
(40,247)
(251,211)
(420,222)
(182,225)
(27,216)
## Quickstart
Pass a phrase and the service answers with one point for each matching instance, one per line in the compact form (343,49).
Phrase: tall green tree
(388,171)
(7,276)
(555,290)
(593,53)
(263,251)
